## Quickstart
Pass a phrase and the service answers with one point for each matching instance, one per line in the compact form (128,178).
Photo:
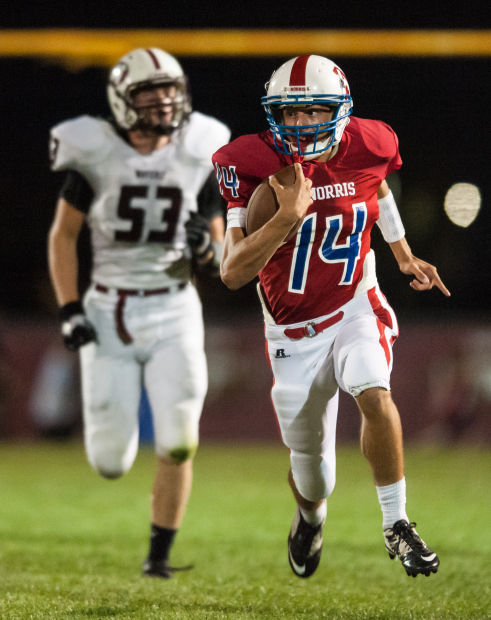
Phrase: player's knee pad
(109,474)
(109,470)
(314,475)
(178,454)
(364,368)
(111,461)
(109,466)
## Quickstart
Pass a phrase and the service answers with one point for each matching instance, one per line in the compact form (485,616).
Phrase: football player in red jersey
(328,325)
(144,184)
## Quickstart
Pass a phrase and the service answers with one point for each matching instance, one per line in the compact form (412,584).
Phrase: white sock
(314,517)
(392,499)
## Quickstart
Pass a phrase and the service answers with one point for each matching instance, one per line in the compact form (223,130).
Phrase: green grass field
(72,544)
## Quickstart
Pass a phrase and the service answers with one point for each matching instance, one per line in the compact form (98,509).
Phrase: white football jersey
(141,202)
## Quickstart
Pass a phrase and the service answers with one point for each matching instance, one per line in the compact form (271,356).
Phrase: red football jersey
(318,270)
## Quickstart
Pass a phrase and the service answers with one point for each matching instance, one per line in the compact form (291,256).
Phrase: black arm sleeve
(77,191)
(210,202)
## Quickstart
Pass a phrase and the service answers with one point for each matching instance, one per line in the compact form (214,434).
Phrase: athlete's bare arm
(217,228)
(383,190)
(243,257)
(62,251)
(425,275)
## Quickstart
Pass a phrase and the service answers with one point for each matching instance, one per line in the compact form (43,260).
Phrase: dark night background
(439,107)
(442,140)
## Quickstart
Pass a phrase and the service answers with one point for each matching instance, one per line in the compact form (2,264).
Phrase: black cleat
(403,541)
(304,546)
(161,568)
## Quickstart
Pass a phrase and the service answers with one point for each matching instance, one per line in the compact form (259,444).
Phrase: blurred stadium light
(81,48)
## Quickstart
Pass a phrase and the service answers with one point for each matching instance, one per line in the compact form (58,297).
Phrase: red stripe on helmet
(297,76)
(154,58)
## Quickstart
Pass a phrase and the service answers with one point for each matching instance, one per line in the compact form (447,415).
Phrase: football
(263,204)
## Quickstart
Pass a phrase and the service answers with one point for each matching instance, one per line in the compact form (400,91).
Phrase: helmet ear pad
(344,112)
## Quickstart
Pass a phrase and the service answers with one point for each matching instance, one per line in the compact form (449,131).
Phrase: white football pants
(167,355)
(354,354)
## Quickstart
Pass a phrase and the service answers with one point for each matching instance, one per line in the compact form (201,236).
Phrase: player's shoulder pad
(378,137)
(79,142)
(203,134)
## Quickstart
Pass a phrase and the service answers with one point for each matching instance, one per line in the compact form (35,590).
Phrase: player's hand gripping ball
(263,203)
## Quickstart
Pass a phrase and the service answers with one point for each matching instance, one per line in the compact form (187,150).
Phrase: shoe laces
(409,539)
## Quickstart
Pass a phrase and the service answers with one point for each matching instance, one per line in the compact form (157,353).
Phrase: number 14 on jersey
(330,251)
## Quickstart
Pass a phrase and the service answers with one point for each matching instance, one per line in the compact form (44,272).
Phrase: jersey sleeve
(373,146)
(383,145)
(241,165)
(77,144)
(394,161)
(77,191)
(235,185)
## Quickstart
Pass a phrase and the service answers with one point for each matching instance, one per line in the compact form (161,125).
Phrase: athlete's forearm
(63,266)
(217,228)
(401,251)
(244,257)
(62,251)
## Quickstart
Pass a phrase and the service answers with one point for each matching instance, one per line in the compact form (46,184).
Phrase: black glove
(76,329)
(198,235)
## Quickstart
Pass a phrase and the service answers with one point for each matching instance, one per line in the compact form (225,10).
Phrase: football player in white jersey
(143,183)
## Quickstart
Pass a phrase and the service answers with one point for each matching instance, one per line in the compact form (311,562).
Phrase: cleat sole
(426,573)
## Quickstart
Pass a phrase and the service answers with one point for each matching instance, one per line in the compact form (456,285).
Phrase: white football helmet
(305,81)
(144,69)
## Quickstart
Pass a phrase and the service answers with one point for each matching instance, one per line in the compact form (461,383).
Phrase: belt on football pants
(123,293)
(311,329)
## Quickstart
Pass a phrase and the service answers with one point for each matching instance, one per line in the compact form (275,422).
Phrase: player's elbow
(232,278)
(236,267)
